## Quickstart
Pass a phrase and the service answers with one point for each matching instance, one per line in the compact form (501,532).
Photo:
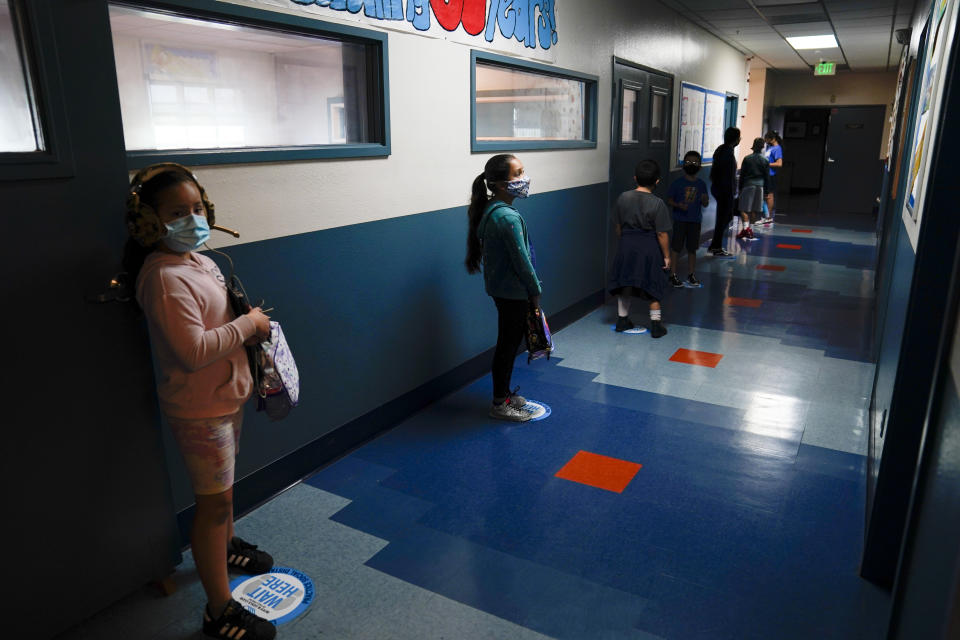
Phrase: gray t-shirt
(641,210)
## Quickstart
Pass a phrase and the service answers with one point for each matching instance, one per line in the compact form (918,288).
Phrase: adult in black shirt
(723,185)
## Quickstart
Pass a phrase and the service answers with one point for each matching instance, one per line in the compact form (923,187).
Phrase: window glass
(18,120)
(658,117)
(187,83)
(513,104)
(628,123)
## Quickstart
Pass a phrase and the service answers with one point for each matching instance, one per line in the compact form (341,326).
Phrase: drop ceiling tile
(853,5)
(773,3)
(805,29)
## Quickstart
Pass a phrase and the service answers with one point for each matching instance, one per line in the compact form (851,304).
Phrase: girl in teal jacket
(497,241)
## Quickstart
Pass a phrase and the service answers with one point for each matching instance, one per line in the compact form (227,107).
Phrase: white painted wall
(431,166)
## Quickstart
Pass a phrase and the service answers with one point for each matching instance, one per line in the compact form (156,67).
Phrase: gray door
(641,127)
(89,507)
(852,172)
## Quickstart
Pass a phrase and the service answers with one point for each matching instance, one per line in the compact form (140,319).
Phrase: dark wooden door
(641,127)
(852,171)
(88,503)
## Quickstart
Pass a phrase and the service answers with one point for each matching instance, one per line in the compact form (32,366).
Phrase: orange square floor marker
(771,267)
(742,302)
(602,472)
(801,230)
(701,358)
(789,246)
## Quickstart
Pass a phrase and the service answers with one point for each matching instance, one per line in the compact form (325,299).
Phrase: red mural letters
(450,14)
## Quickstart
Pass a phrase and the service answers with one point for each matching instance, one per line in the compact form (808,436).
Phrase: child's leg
(674,257)
(657,330)
(208,540)
(692,262)
(623,302)
(511,318)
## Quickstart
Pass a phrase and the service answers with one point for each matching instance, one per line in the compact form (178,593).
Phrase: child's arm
(180,321)
(511,231)
(664,239)
(676,205)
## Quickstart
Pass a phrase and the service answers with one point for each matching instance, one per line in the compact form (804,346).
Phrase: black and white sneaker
(675,281)
(237,622)
(243,556)
(721,253)
(692,282)
(624,323)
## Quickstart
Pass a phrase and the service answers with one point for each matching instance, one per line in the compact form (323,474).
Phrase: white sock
(655,314)
(623,306)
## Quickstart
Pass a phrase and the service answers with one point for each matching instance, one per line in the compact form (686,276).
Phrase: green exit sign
(825,69)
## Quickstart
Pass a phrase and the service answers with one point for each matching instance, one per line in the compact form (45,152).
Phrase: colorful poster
(940,36)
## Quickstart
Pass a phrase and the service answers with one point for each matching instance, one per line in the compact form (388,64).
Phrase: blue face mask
(520,187)
(187,233)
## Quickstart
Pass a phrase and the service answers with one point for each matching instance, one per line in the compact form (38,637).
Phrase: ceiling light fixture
(828,41)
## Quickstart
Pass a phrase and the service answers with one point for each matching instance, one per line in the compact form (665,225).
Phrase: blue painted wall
(374,310)
(895,301)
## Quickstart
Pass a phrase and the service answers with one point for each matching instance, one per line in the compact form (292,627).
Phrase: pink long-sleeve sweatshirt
(197,343)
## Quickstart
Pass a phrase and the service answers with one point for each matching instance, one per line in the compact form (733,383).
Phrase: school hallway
(660,499)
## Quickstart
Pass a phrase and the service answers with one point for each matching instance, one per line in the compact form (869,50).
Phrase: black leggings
(511,326)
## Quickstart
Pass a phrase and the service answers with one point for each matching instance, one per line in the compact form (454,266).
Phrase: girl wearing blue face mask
(497,242)
(203,375)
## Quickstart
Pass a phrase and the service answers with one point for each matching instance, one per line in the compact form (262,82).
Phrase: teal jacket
(507,269)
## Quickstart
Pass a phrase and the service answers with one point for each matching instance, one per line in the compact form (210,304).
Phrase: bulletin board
(701,121)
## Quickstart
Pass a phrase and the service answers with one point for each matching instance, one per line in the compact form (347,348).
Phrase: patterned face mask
(187,233)
(520,187)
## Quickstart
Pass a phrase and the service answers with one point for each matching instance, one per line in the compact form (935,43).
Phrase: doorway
(642,125)
(830,159)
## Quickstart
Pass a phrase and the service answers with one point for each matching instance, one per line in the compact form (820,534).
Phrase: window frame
(378,82)
(665,118)
(39,51)
(591,83)
(638,126)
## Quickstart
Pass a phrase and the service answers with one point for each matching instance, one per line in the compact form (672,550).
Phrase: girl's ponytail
(496,170)
(478,204)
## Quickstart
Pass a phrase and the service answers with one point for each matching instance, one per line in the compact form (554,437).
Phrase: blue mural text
(530,22)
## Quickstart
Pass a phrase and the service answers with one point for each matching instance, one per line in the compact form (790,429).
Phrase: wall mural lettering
(532,23)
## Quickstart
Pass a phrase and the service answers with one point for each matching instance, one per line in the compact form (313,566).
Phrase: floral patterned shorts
(209,447)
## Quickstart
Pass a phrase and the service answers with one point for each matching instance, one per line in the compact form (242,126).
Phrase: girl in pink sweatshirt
(204,378)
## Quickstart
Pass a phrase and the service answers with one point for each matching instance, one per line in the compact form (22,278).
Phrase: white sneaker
(506,411)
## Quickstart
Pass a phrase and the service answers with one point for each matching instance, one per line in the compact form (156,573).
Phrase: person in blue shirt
(774,155)
(687,197)
(497,244)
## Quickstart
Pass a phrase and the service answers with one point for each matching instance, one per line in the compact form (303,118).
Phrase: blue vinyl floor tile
(744,520)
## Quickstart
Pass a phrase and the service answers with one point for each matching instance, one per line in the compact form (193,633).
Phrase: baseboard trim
(275,478)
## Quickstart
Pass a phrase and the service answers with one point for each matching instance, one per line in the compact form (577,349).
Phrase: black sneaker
(237,622)
(243,556)
(675,281)
(657,330)
(692,281)
(624,323)
(721,253)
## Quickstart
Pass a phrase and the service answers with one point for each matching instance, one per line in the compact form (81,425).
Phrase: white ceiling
(864,29)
